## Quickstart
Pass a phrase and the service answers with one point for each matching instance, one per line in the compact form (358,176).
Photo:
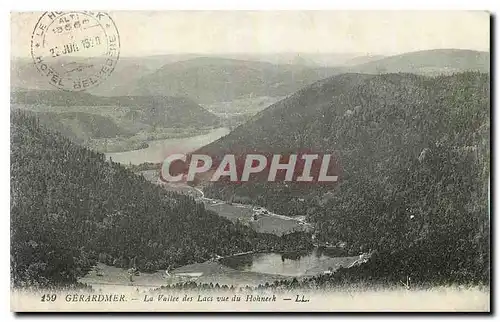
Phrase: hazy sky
(373,32)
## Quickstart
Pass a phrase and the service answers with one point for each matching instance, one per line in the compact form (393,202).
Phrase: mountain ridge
(414,153)
(179,111)
(208,79)
(121,219)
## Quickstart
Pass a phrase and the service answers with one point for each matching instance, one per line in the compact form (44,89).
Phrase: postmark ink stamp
(75,50)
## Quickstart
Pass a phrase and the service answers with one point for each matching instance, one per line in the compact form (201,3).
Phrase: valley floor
(113,278)
(260,219)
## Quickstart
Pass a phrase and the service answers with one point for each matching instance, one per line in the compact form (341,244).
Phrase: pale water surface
(159,149)
(311,263)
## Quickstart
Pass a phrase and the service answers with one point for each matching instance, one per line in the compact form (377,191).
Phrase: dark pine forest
(414,185)
(413,191)
(70,208)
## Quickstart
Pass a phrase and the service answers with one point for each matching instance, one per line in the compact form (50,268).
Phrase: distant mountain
(297,58)
(323,116)
(24,75)
(283,125)
(429,62)
(154,110)
(358,60)
(211,79)
(208,80)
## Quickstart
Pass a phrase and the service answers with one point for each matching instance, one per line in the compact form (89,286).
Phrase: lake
(159,149)
(242,270)
(311,263)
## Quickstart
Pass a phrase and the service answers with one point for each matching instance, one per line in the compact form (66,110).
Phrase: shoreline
(147,143)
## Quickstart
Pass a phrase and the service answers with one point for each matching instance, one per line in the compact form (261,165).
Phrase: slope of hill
(24,75)
(70,207)
(310,59)
(82,126)
(414,153)
(154,110)
(281,125)
(217,79)
(429,62)
(311,117)
(209,80)
(358,60)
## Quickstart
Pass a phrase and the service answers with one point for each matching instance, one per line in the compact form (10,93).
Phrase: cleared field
(276,225)
(265,223)
(113,278)
(231,212)
(250,105)
(214,272)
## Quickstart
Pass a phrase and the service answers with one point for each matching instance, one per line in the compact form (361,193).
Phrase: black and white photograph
(250,161)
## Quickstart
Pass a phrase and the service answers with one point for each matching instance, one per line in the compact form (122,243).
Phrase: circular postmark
(76,50)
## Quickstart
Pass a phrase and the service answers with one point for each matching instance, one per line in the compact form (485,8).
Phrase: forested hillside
(165,111)
(25,76)
(81,126)
(70,207)
(415,155)
(211,79)
(115,124)
(429,62)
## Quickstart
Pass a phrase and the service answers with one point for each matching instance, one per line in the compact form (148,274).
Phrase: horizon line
(361,54)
